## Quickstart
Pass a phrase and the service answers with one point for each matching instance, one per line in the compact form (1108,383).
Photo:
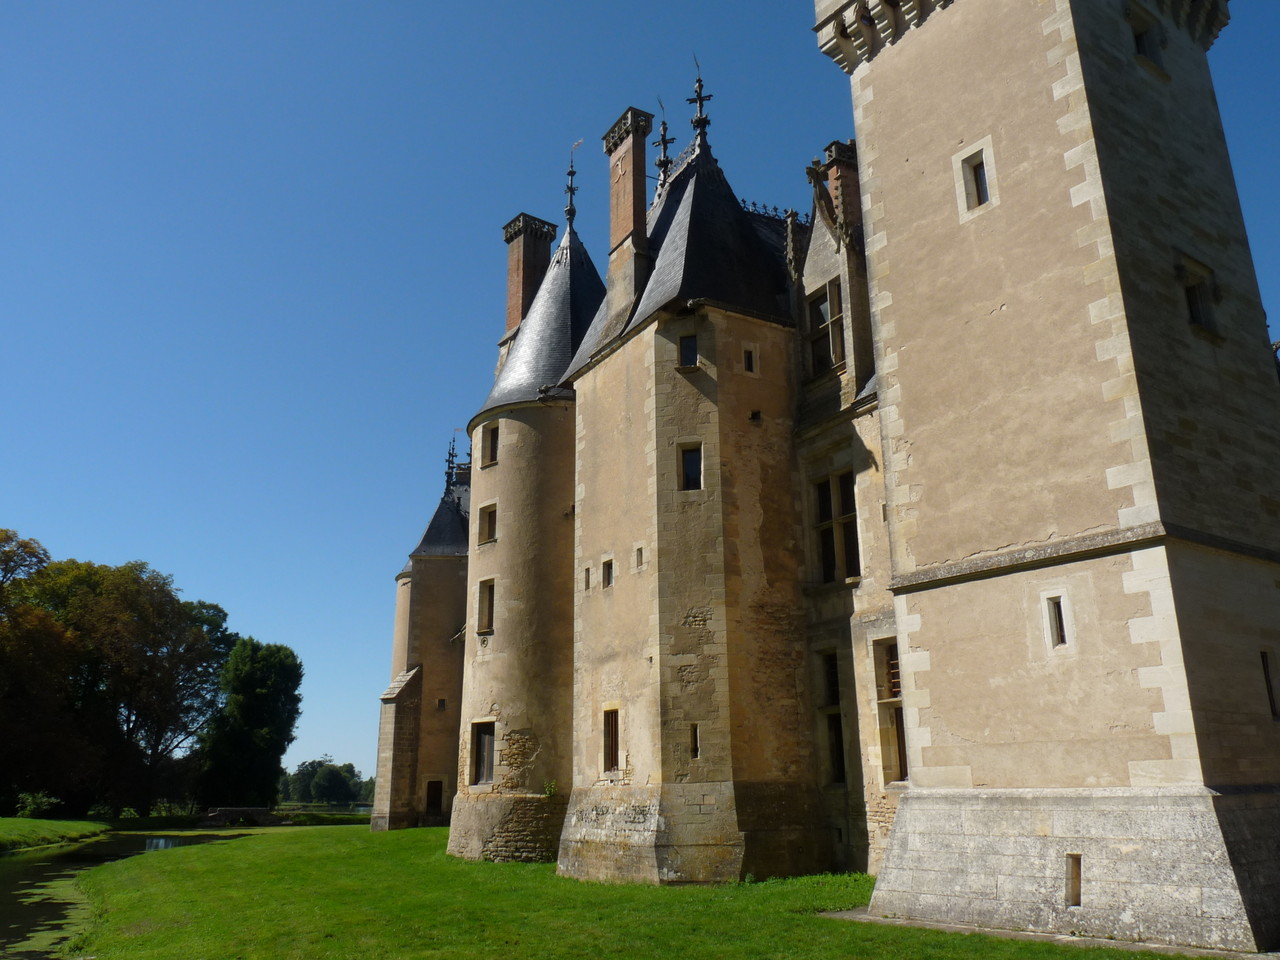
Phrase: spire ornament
(570,211)
(701,121)
(663,163)
(451,464)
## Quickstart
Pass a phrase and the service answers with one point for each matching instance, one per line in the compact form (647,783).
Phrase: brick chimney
(841,168)
(629,260)
(528,256)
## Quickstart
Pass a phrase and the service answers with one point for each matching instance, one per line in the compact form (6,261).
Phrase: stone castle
(934,534)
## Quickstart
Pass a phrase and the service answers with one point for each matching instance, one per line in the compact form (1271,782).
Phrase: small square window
(482,737)
(606,574)
(689,351)
(691,468)
(488,444)
(488,524)
(484,607)
(442,704)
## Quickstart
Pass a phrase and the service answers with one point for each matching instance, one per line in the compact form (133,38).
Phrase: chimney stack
(528,256)
(629,260)
(841,168)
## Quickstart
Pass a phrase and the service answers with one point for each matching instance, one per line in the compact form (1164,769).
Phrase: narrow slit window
(977,190)
(606,574)
(489,444)
(610,741)
(835,746)
(1057,622)
(689,350)
(488,524)
(695,745)
(749,361)
(1074,863)
(442,704)
(1271,686)
(586,578)
(691,468)
(639,557)
(484,607)
(482,736)
(831,679)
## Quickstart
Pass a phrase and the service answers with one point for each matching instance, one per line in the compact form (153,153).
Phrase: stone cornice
(526,223)
(633,121)
(856,30)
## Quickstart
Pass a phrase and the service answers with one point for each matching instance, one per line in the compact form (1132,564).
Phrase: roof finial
(701,121)
(663,163)
(450,463)
(570,211)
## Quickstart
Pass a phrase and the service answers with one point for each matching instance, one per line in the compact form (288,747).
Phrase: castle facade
(936,534)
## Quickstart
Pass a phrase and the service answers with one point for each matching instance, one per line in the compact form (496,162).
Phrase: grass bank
(334,893)
(19,833)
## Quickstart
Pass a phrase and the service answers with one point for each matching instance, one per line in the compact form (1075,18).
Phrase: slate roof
(446,534)
(705,246)
(553,328)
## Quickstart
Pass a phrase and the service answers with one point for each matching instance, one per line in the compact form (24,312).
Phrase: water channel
(40,905)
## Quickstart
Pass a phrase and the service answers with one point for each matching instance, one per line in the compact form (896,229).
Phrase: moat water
(41,906)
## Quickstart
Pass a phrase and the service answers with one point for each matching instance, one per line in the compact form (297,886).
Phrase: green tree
(243,743)
(332,785)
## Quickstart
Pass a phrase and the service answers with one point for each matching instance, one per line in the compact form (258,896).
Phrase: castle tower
(514,752)
(692,740)
(417,743)
(1081,423)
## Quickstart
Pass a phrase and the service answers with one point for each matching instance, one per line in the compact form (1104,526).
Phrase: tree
(332,785)
(244,742)
(19,557)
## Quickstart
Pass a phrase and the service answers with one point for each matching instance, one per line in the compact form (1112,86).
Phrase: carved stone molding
(526,223)
(633,121)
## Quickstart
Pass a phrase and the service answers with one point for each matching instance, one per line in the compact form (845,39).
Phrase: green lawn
(345,893)
(17,833)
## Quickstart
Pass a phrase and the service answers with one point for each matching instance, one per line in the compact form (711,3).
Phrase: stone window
(748,360)
(836,523)
(977,190)
(689,351)
(1074,864)
(825,318)
(691,467)
(606,574)
(611,741)
(482,737)
(442,704)
(1055,622)
(832,721)
(488,444)
(639,557)
(435,795)
(893,741)
(1200,293)
(586,578)
(1270,684)
(695,743)
(974,172)
(488,524)
(1148,39)
(484,607)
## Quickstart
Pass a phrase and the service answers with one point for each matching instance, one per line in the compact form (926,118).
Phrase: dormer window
(825,316)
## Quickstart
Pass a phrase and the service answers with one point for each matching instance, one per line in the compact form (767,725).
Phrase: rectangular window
(1271,686)
(610,741)
(639,557)
(695,745)
(689,351)
(976,189)
(847,522)
(1057,622)
(488,444)
(691,468)
(482,752)
(484,607)
(749,361)
(1074,863)
(435,796)
(836,521)
(826,329)
(831,679)
(606,574)
(893,741)
(586,578)
(442,704)
(835,746)
(1198,289)
(488,524)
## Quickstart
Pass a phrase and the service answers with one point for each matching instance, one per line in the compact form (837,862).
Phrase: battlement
(852,32)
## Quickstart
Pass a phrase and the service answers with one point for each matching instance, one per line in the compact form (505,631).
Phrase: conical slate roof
(549,334)
(446,534)
(705,246)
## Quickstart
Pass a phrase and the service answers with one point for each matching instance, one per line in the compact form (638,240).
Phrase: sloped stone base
(1184,866)
(506,827)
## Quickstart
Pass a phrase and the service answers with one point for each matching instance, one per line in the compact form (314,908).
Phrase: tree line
(323,781)
(116,694)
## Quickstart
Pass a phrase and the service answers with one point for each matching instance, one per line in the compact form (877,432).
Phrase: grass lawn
(348,894)
(17,833)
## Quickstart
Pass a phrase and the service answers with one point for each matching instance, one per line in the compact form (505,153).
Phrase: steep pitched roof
(556,322)
(446,534)
(705,246)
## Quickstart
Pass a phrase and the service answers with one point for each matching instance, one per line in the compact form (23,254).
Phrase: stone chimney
(841,168)
(528,256)
(629,260)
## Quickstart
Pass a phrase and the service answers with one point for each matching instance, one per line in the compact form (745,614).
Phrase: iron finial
(450,463)
(701,121)
(570,211)
(663,163)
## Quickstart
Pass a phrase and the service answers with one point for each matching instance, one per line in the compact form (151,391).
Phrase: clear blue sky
(251,265)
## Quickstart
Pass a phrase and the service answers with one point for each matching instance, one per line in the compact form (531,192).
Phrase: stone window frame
(1057,621)
(1150,38)
(486,605)
(611,741)
(750,366)
(831,725)
(483,763)
(684,447)
(490,440)
(824,332)
(978,155)
(891,727)
(607,571)
(487,523)
(1201,295)
(842,525)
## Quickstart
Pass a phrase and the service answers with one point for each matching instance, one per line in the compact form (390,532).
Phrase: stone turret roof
(549,334)
(446,534)
(705,247)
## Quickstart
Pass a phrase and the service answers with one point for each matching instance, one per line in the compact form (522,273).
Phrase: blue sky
(252,269)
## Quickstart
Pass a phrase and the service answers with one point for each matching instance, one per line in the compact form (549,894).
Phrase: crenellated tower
(515,748)
(1081,423)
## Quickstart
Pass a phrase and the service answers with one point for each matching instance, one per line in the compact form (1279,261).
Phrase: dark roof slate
(446,534)
(705,246)
(554,327)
